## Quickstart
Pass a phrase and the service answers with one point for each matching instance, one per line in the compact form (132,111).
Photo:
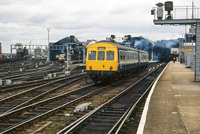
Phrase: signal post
(169,20)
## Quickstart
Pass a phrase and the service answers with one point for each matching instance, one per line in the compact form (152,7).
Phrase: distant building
(59,47)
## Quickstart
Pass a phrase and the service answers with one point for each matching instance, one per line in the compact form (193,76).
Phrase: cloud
(27,20)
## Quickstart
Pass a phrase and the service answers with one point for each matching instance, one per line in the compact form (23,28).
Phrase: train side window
(136,55)
(132,56)
(121,55)
(92,55)
(110,55)
(101,55)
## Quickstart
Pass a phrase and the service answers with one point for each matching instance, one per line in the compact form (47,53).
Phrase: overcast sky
(22,21)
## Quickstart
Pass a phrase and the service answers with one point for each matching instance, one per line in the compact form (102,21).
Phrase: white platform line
(144,113)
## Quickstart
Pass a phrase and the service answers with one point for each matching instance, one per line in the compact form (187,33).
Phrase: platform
(174,107)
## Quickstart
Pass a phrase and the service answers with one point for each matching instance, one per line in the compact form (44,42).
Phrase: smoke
(140,43)
(162,49)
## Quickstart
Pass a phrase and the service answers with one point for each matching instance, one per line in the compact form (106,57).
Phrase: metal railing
(181,12)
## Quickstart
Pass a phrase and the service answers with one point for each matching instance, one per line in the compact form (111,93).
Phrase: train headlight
(90,67)
(111,67)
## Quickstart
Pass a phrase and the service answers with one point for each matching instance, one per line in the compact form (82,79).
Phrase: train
(62,58)
(108,61)
(75,55)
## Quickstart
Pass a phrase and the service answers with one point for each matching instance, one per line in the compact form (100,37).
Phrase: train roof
(121,46)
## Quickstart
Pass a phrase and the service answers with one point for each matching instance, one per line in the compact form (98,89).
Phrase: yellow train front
(62,58)
(107,61)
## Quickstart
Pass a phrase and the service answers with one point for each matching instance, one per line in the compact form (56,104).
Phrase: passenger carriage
(112,60)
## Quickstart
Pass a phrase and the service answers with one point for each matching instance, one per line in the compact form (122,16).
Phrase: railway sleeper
(5,125)
(107,117)
(93,124)
(113,112)
(110,114)
(95,130)
(15,121)
(115,108)
(113,120)
(45,108)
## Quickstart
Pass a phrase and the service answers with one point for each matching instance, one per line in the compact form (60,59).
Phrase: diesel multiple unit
(111,60)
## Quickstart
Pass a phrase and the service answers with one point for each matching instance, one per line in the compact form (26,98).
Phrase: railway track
(110,116)
(37,93)
(17,74)
(12,121)
(13,64)
(27,115)
(27,64)
(16,87)
(31,75)
(57,121)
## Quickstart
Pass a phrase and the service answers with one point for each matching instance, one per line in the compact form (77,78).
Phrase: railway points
(119,127)
(109,117)
(30,106)
(171,77)
(113,92)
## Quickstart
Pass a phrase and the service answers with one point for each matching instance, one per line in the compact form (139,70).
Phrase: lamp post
(48,57)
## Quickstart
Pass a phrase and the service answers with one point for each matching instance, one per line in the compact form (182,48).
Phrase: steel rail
(80,121)
(20,74)
(121,122)
(43,115)
(36,88)
(116,128)
(12,87)
(45,93)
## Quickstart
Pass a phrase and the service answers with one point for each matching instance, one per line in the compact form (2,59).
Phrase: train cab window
(92,55)
(101,55)
(110,55)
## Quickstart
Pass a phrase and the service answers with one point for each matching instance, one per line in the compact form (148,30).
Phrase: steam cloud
(140,43)
(161,50)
